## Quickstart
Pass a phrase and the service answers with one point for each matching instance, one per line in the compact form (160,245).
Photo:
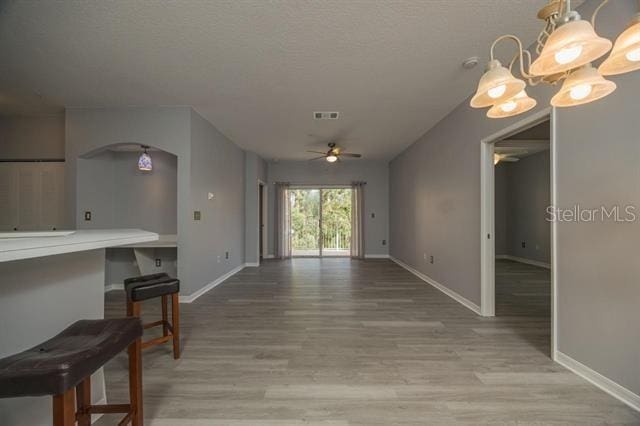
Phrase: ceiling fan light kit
(566,47)
(333,154)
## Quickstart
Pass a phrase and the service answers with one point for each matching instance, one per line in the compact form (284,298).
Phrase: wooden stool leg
(165,316)
(64,409)
(175,323)
(135,380)
(135,309)
(83,402)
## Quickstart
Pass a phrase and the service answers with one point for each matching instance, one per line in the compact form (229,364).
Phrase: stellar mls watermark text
(577,213)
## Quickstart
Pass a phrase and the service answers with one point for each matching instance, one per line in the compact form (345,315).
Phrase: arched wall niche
(118,195)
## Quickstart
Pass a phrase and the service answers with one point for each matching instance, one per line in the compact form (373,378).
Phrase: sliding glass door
(305,222)
(320,221)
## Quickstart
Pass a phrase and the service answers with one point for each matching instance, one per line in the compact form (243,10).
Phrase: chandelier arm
(520,53)
(595,13)
(532,80)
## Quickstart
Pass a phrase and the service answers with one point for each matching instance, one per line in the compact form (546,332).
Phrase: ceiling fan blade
(510,159)
(348,154)
(317,158)
(317,152)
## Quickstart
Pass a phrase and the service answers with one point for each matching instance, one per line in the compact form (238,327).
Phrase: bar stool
(151,286)
(62,367)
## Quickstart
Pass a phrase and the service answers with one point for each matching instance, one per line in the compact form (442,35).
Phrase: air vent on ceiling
(326,115)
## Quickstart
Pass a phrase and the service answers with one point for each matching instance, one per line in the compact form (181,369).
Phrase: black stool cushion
(60,363)
(144,278)
(138,291)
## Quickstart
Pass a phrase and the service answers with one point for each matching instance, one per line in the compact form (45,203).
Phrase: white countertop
(82,240)
(164,241)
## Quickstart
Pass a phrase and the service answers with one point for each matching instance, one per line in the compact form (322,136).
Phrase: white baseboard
(190,298)
(112,287)
(252,264)
(96,417)
(452,294)
(609,386)
(523,260)
(376,256)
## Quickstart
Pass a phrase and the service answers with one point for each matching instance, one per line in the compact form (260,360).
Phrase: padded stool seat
(64,364)
(65,360)
(160,285)
(151,286)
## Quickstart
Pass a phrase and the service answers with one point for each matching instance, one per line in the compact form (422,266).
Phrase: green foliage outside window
(336,218)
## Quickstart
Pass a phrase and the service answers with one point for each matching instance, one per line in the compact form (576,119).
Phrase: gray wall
(599,263)
(120,196)
(501,208)
(376,192)
(206,162)
(217,166)
(32,137)
(435,191)
(255,170)
(522,198)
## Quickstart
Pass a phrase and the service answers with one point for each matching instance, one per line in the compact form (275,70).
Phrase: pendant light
(517,105)
(625,56)
(496,86)
(144,161)
(573,44)
(583,85)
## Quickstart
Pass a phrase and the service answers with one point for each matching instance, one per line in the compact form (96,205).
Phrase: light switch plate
(197,215)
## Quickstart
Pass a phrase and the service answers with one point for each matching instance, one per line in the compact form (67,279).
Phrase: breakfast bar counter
(47,282)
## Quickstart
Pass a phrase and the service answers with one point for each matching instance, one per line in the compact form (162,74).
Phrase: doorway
(320,222)
(523,233)
(261,221)
(521,276)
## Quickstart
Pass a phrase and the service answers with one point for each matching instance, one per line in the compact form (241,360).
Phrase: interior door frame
(487,214)
(262,227)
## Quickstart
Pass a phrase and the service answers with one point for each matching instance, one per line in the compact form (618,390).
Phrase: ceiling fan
(333,154)
(507,158)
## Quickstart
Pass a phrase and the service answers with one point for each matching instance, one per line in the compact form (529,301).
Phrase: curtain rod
(317,185)
(34,160)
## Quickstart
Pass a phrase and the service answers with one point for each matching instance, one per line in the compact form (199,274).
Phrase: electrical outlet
(226,255)
(384,242)
(87,216)
(218,259)
(431,259)
(424,255)
(197,215)
(373,215)
(158,263)
(524,244)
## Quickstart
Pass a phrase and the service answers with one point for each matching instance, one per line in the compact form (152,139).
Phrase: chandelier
(566,48)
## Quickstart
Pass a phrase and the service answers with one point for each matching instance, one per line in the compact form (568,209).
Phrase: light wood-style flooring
(338,342)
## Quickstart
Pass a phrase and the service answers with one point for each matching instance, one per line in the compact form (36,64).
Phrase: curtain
(283,221)
(357,220)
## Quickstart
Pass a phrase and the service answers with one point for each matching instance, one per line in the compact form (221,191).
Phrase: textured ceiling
(259,69)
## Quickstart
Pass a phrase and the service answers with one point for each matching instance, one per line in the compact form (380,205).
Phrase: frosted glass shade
(144,162)
(514,106)
(332,158)
(584,85)
(570,46)
(625,56)
(496,85)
